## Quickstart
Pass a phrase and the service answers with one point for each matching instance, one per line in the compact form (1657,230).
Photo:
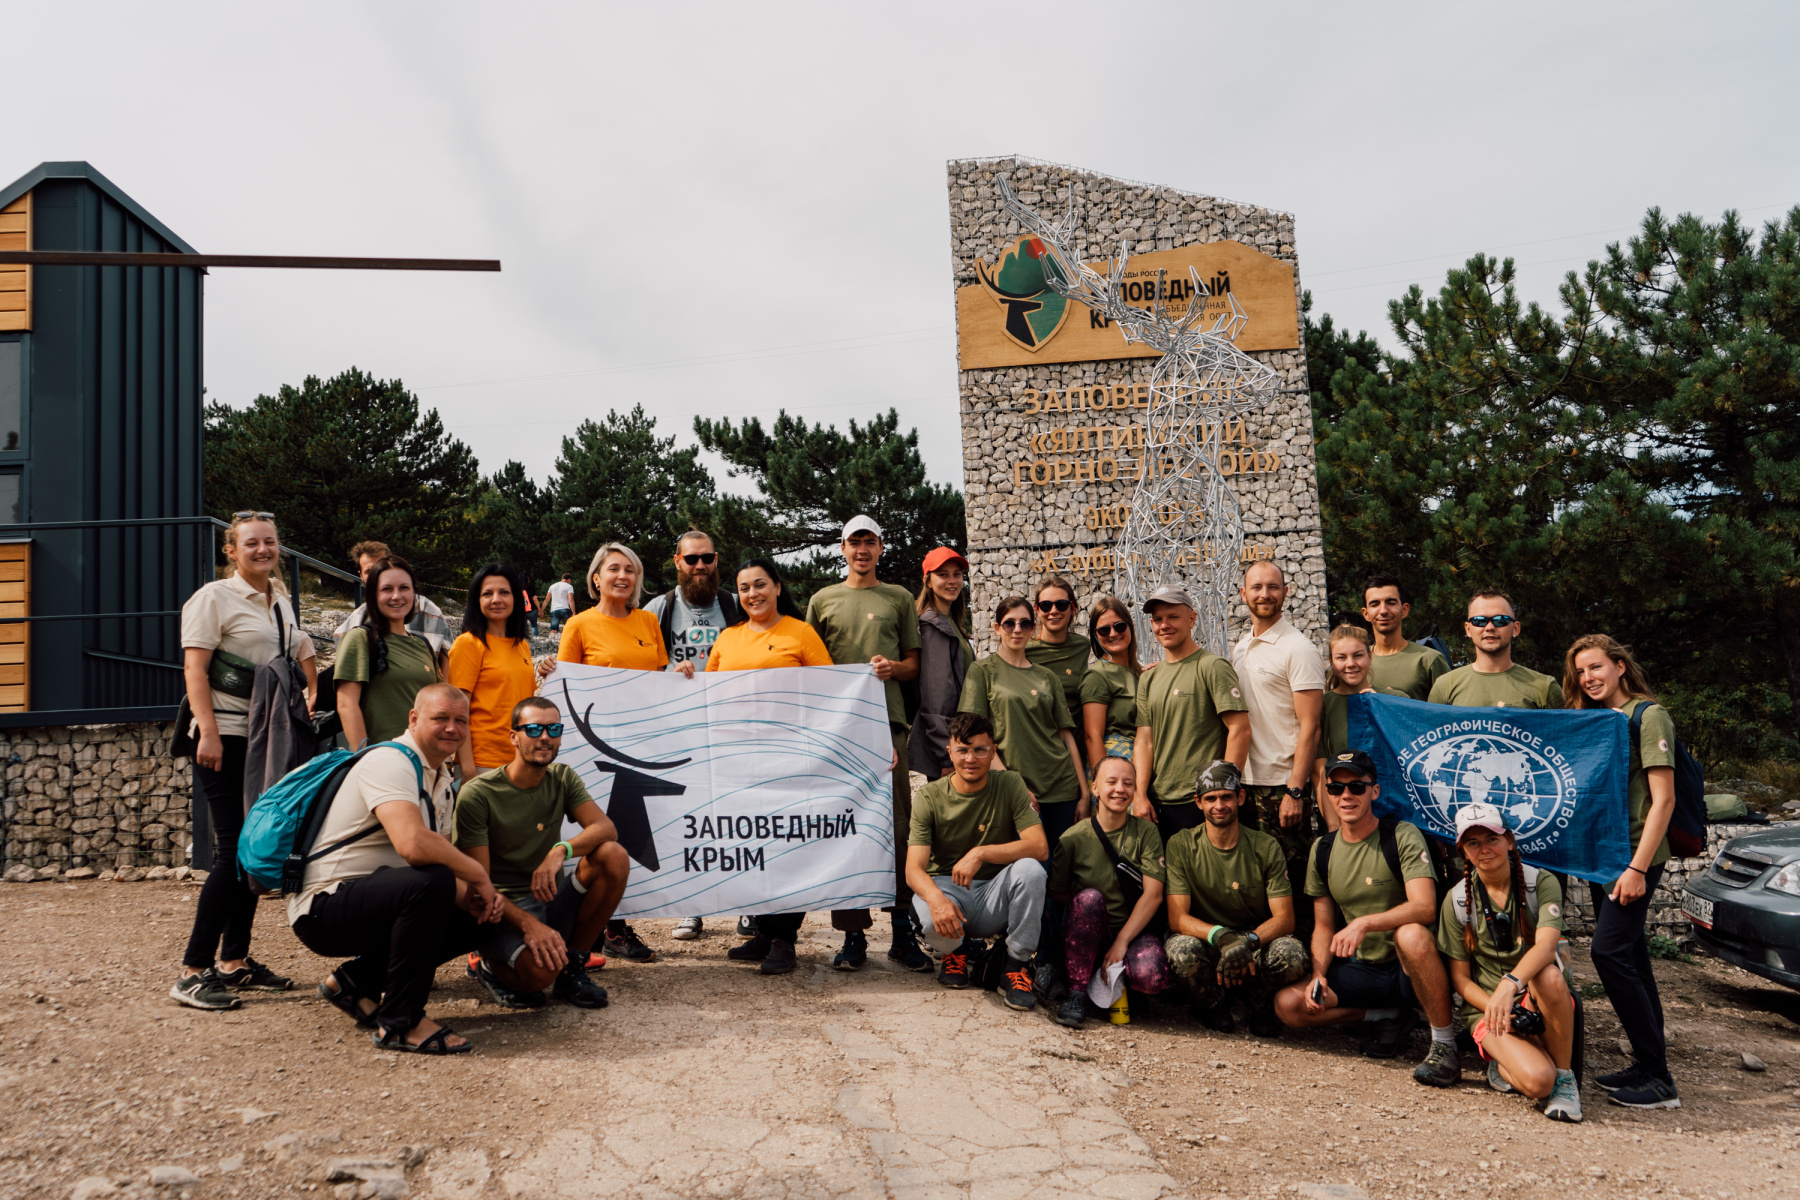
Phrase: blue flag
(1559,775)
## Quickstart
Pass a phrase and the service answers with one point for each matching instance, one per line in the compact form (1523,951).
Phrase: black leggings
(1621,954)
(227,907)
(397,924)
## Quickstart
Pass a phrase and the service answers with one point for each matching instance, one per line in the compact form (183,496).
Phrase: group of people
(1089,813)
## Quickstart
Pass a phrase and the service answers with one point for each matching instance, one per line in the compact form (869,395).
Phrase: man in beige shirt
(1284,688)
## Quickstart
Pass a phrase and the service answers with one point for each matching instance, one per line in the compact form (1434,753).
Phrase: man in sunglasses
(1493,680)
(1190,711)
(1373,951)
(1056,647)
(510,821)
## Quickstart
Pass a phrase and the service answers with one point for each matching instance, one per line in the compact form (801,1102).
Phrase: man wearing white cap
(865,620)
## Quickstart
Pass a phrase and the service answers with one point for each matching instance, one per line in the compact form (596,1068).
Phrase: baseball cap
(936,559)
(1351,760)
(1479,816)
(860,523)
(1219,776)
(1169,593)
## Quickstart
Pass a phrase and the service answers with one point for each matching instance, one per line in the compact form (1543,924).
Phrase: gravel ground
(705,1079)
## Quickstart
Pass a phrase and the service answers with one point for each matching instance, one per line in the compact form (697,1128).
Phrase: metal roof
(81,170)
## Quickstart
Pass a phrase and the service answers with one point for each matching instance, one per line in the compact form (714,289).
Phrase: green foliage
(344,459)
(1729,727)
(811,479)
(513,511)
(1668,949)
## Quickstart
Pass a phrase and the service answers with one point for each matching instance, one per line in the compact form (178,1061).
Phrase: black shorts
(503,944)
(1171,819)
(1360,984)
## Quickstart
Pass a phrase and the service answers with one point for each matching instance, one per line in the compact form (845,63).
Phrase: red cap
(942,555)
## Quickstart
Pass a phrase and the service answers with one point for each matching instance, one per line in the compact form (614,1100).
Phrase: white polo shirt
(1271,668)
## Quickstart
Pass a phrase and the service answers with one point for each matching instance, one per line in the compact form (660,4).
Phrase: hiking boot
(687,929)
(1630,1076)
(1073,1011)
(574,986)
(203,990)
(905,949)
(1500,1085)
(953,968)
(1390,1034)
(1264,1023)
(1216,1019)
(746,927)
(1565,1099)
(1051,984)
(1653,1092)
(754,950)
(253,977)
(781,958)
(1015,985)
(855,952)
(1442,1066)
(504,995)
(623,942)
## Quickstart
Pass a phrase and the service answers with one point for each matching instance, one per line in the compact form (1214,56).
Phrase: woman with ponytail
(1499,928)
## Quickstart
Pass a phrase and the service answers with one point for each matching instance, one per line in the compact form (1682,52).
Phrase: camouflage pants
(1196,968)
(1262,811)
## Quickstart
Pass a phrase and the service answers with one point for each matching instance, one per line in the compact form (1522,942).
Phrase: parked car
(1746,908)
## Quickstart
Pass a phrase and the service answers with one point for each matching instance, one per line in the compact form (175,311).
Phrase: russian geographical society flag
(737,791)
(1559,775)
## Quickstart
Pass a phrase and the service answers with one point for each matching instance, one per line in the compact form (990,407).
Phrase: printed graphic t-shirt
(693,629)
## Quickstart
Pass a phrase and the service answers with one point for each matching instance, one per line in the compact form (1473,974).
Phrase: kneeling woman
(1500,927)
(771,634)
(1110,914)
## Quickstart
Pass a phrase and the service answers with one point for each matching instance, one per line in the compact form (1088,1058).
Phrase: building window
(9,498)
(12,395)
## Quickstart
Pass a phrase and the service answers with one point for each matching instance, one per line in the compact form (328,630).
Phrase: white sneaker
(687,929)
(1565,1100)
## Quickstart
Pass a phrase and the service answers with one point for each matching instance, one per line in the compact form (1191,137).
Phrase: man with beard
(691,617)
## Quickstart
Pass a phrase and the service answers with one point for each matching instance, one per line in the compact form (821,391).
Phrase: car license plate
(1698,908)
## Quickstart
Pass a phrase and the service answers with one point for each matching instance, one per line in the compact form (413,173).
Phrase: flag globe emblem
(1484,768)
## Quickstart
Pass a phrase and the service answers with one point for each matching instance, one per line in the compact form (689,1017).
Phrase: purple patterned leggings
(1089,934)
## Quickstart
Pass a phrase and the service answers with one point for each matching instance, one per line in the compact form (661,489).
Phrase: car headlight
(1786,880)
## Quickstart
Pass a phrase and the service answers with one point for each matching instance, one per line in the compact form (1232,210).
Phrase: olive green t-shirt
(1334,722)
(517,827)
(386,698)
(953,824)
(1409,673)
(1181,703)
(1114,686)
(1026,706)
(1082,862)
(1228,887)
(1655,748)
(1362,884)
(856,624)
(1489,962)
(1068,662)
(1515,687)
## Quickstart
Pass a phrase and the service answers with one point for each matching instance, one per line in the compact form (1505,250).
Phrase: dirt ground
(704,1079)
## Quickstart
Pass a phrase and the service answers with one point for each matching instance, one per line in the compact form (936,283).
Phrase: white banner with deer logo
(737,791)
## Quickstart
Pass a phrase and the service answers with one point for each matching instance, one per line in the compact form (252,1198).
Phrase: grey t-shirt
(692,630)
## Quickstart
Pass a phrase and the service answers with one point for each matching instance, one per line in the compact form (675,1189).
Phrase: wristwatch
(1514,980)
(1255,940)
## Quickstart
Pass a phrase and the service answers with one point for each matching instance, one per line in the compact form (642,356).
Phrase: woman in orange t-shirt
(771,634)
(491,662)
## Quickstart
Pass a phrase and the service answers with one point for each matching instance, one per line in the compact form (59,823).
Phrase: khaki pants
(848,919)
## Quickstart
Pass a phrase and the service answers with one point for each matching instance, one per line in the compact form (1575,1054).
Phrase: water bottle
(1121,1009)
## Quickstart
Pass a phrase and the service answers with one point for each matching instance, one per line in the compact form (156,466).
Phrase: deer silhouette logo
(630,788)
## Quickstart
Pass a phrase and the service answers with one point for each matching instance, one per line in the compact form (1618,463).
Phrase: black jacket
(943,664)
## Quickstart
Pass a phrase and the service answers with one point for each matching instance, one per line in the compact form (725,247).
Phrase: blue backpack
(277,840)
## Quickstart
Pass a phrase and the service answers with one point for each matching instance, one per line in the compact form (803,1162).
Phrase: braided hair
(1472,880)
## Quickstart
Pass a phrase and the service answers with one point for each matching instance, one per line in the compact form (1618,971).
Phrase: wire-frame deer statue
(1184,526)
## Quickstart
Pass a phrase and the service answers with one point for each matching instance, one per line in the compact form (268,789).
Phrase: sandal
(436,1045)
(347,1002)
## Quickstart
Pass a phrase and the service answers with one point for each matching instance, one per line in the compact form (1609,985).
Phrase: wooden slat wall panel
(15,281)
(15,640)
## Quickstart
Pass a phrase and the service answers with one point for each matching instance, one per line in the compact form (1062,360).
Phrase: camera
(1526,1021)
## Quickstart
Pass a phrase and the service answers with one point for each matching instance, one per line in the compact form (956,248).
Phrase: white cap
(860,523)
(1479,816)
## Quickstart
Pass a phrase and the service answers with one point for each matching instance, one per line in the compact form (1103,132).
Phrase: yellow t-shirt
(497,676)
(632,642)
(790,644)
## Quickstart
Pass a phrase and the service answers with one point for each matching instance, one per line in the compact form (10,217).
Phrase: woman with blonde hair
(229,628)
(1347,674)
(1598,672)
(1109,689)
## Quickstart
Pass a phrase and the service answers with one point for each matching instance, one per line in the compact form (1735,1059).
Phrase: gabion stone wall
(1018,530)
(1665,905)
(99,796)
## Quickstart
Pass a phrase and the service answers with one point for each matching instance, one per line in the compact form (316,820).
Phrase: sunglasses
(694,560)
(1114,630)
(1355,787)
(1055,605)
(1499,622)
(538,729)
(1018,623)
(250,515)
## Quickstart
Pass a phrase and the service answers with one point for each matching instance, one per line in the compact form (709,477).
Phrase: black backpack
(1390,853)
(1687,824)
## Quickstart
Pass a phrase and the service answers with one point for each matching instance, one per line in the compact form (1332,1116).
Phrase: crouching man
(391,892)
(510,821)
(1378,874)
(1231,911)
(974,861)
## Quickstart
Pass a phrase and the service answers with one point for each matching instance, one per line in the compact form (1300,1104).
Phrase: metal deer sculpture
(1184,524)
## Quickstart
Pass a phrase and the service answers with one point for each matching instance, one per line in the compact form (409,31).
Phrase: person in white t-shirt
(560,601)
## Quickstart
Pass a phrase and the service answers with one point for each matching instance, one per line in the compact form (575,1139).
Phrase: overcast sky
(724,210)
